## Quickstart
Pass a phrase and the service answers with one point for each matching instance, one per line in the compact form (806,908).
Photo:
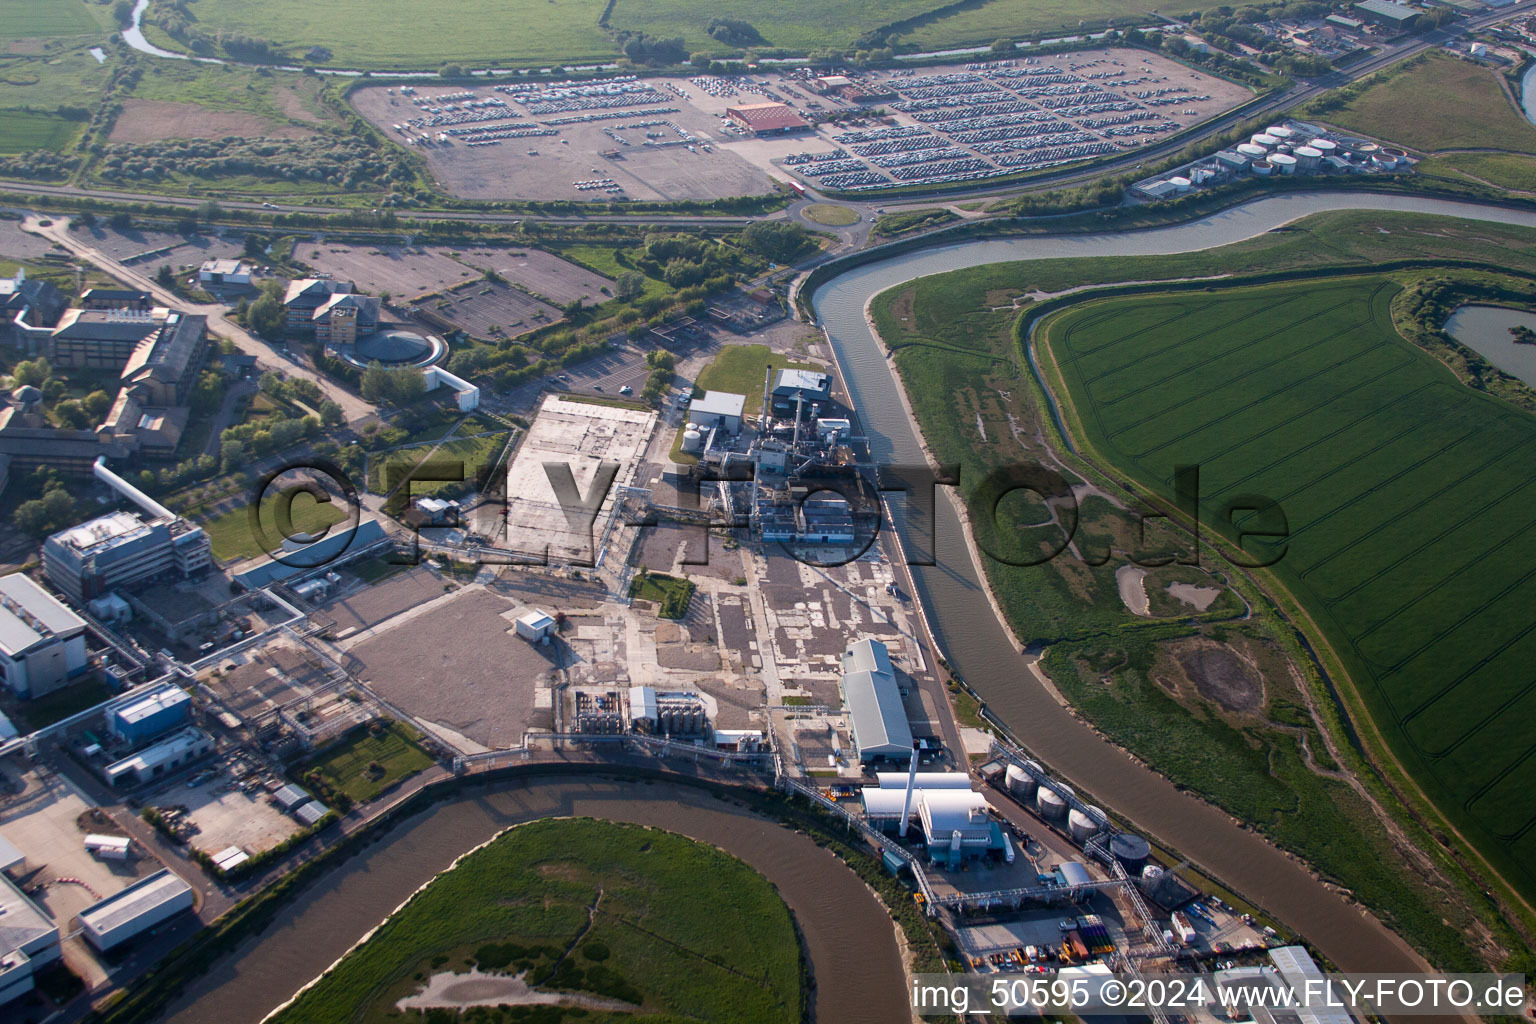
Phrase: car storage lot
(408,271)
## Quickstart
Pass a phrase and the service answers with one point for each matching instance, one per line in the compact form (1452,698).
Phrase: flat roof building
(42,643)
(122,549)
(138,908)
(1388,13)
(29,941)
(767,118)
(141,717)
(718,408)
(224,272)
(877,717)
(161,758)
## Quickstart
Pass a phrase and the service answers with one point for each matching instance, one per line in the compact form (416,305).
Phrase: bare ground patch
(1221,676)
(144,121)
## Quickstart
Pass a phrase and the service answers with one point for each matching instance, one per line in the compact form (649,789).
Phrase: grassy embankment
(582,906)
(1458,113)
(955,351)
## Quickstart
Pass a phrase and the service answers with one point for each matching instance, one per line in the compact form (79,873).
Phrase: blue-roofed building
(140,717)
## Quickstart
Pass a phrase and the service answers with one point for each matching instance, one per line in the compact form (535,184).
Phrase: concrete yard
(226,818)
(367,606)
(580,436)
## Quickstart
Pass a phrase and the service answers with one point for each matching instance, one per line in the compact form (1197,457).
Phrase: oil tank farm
(1051,804)
(1085,824)
(1021,785)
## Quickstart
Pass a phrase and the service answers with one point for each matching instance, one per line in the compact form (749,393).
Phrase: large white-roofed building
(29,941)
(144,904)
(42,643)
(877,718)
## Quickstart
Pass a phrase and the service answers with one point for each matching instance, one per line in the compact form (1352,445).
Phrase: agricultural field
(631,923)
(1513,171)
(53,19)
(952,343)
(980,24)
(797,25)
(1408,506)
(402,34)
(1432,103)
(23,132)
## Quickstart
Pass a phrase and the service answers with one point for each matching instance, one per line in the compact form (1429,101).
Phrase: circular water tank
(1307,158)
(1283,162)
(1052,807)
(1395,154)
(1021,784)
(1131,851)
(1151,873)
(1324,146)
(1262,167)
(1279,131)
(1083,826)
(1382,161)
(1180,183)
(1367,149)
(693,440)
(1265,139)
(1251,151)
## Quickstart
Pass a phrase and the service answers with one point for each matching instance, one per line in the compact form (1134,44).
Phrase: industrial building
(535,626)
(767,118)
(224,274)
(331,311)
(42,643)
(954,818)
(1388,14)
(717,409)
(801,390)
(160,758)
(149,901)
(140,717)
(877,719)
(28,311)
(29,941)
(124,549)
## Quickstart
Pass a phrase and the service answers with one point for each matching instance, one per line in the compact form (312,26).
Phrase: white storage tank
(1382,161)
(1325,146)
(1265,139)
(1279,131)
(1251,151)
(1084,825)
(1179,183)
(1051,805)
(1263,167)
(693,440)
(1283,162)
(1021,784)
(1397,156)
(1308,158)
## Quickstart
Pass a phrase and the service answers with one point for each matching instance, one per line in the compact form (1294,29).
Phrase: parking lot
(408,271)
(224,815)
(155,247)
(668,139)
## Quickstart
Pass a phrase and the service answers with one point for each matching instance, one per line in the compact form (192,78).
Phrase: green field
(1406,493)
(345,768)
(980,24)
(739,369)
(670,593)
(406,34)
(681,930)
(51,19)
(798,25)
(1433,103)
(232,536)
(1514,171)
(23,132)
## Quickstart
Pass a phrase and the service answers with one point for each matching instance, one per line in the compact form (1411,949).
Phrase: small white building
(135,910)
(535,626)
(717,408)
(224,273)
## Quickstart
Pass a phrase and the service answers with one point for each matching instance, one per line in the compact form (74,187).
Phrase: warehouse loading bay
(670,139)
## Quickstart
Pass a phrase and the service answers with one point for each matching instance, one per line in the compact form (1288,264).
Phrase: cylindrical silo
(1265,139)
(1279,131)
(1131,851)
(1180,183)
(693,439)
(1251,151)
(1051,805)
(1308,158)
(1283,162)
(1084,824)
(1021,784)
(1324,146)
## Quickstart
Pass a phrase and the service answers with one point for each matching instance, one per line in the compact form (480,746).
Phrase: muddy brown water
(848,935)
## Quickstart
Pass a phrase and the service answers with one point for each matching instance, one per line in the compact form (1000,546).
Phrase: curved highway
(985,652)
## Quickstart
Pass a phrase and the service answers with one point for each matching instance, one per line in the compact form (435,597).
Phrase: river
(984,651)
(848,934)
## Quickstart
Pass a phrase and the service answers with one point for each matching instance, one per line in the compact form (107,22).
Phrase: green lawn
(670,593)
(344,767)
(1434,103)
(980,24)
(405,34)
(583,906)
(1408,503)
(831,214)
(739,369)
(232,536)
(1514,171)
